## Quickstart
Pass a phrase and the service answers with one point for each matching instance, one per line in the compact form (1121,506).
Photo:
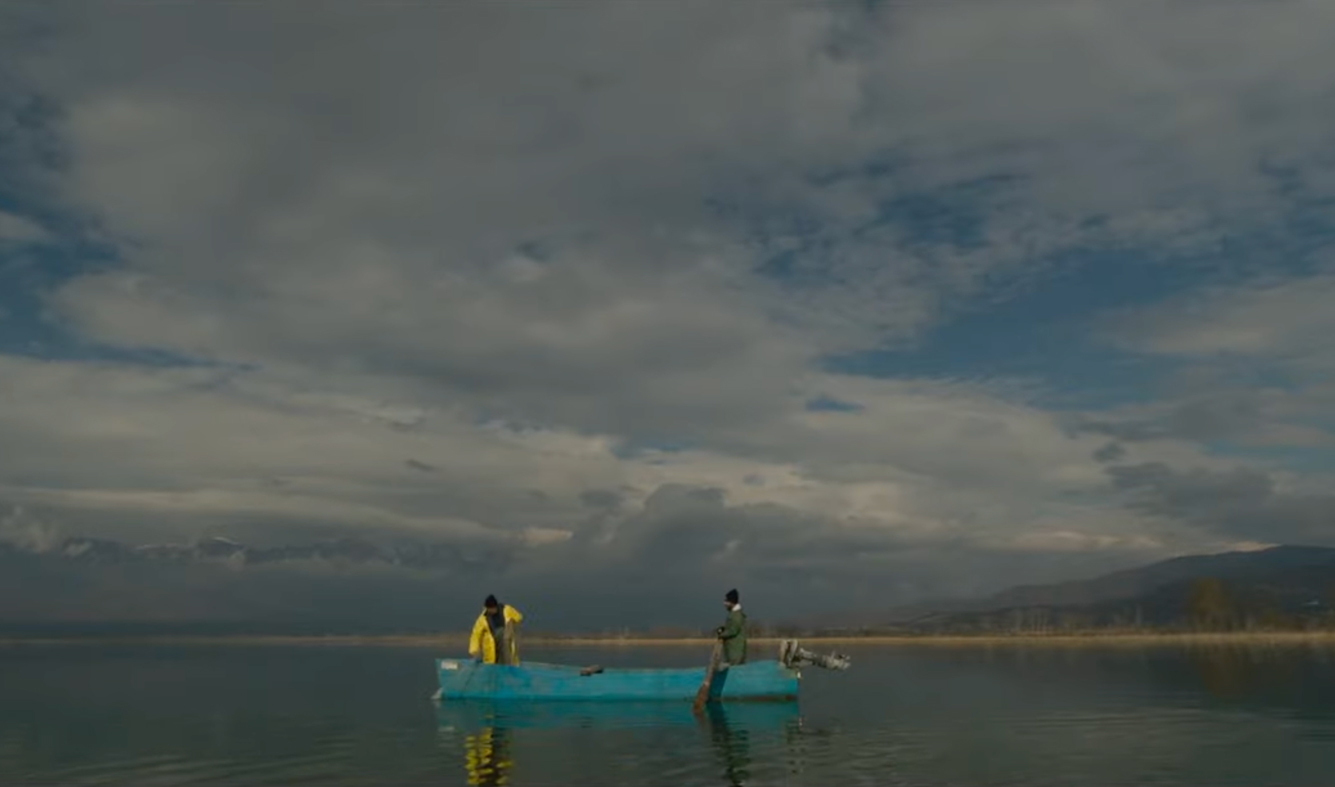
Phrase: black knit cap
(732,596)
(491,602)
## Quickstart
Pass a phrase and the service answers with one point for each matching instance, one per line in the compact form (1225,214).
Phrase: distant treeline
(1203,604)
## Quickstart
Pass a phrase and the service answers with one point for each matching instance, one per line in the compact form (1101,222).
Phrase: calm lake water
(345,716)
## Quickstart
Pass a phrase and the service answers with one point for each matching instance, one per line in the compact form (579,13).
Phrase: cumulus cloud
(1249,415)
(18,229)
(21,528)
(581,229)
(1257,367)
(1282,318)
(176,454)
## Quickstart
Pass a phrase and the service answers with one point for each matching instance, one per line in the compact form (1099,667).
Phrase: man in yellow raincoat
(493,640)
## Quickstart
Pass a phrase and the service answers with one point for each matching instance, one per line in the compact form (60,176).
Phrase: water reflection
(1293,678)
(733,729)
(731,744)
(1157,717)
(505,739)
(488,757)
(1228,673)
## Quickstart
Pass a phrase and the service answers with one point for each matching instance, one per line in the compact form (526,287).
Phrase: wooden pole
(702,696)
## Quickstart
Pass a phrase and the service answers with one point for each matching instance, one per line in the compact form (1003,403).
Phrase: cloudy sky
(852,303)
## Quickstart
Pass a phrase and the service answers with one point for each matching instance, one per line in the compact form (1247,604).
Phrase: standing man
(493,639)
(733,631)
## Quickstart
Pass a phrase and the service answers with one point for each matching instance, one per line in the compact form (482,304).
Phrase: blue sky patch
(828,404)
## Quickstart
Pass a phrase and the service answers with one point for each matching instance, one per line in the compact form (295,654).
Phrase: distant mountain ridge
(101,585)
(1278,581)
(217,549)
(1130,583)
(80,586)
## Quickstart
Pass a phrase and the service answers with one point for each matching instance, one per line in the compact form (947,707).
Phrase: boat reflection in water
(518,742)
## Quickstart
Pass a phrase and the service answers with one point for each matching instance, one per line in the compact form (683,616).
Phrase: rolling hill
(1284,586)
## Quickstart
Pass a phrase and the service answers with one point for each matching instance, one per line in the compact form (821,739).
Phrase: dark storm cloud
(422,466)
(1243,503)
(1110,452)
(667,564)
(53,589)
(1210,417)
(688,544)
(684,525)
(601,498)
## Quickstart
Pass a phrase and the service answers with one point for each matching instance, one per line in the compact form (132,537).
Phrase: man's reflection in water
(733,746)
(488,757)
(793,745)
(779,736)
(741,738)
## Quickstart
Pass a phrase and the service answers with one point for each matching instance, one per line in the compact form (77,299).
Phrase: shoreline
(1088,639)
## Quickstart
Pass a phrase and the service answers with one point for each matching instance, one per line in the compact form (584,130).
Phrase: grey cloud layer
(467,265)
(403,191)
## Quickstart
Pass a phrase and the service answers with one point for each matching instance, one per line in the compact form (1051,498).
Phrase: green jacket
(733,634)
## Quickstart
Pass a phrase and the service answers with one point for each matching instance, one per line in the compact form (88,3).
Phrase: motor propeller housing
(793,655)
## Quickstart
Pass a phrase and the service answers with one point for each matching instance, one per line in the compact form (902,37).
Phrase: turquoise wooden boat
(760,680)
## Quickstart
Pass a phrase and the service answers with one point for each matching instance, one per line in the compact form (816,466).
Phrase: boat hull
(761,680)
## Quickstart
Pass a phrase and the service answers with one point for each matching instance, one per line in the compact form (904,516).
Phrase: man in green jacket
(733,631)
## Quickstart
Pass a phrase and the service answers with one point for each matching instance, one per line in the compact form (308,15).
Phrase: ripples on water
(351,716)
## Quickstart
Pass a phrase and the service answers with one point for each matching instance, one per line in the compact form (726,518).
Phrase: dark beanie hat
(732,596)
(490,602)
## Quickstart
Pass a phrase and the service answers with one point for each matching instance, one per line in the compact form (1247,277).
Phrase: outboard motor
(795,656)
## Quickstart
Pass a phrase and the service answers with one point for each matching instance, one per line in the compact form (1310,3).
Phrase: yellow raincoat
(484,643)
